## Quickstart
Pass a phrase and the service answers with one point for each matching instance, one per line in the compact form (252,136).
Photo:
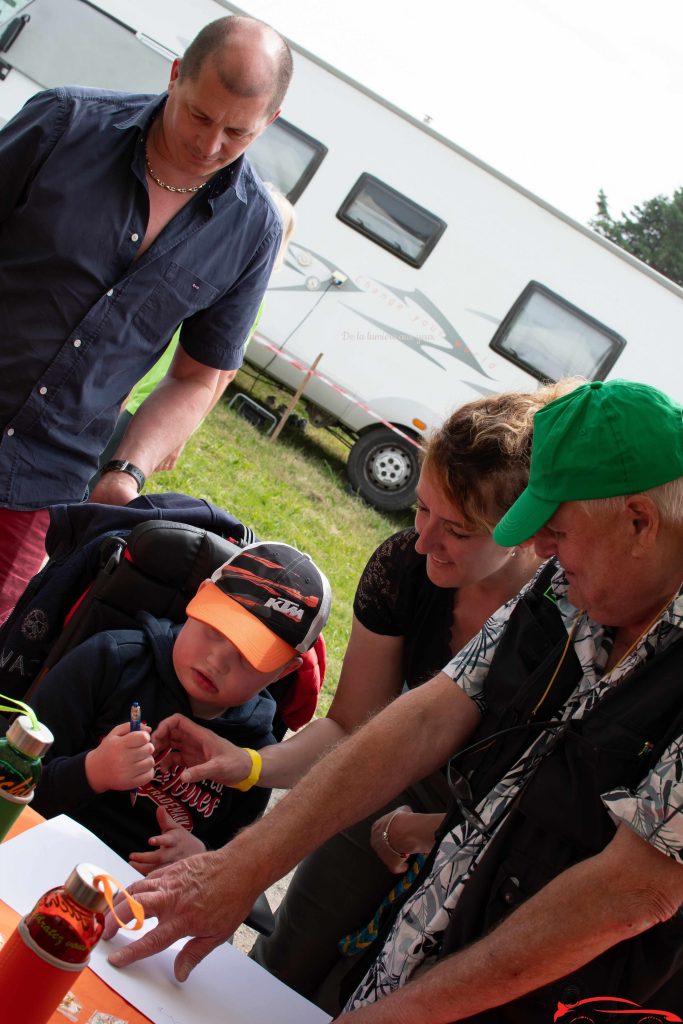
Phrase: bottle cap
(81,887)
(32,742)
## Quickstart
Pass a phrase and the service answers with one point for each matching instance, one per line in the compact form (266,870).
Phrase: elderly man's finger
(146,892)
(161,937)
(125,914)
(192,953)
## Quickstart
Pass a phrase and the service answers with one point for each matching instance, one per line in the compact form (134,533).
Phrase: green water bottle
(21,750)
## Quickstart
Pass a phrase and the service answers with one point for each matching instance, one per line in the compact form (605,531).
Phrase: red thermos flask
(50,946)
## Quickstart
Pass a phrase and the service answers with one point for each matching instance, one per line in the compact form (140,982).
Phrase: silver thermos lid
(32,742)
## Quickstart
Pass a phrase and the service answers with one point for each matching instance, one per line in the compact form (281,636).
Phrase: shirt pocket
(178,294)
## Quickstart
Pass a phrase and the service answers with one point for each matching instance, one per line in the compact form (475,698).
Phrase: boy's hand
(174,843)
(123,760)
(203,754)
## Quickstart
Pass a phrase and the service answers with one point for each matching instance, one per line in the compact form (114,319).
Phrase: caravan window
(391,219)
(286,157)
(551,338)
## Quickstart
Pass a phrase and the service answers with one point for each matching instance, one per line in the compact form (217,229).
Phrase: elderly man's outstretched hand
(191,897)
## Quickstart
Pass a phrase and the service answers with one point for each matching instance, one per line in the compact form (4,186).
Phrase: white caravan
(422,276)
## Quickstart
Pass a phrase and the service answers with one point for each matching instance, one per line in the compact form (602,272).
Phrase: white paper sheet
(225,987)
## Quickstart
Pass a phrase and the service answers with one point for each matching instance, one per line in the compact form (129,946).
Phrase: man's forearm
(609,898)
(159,429)
(164,421)
(410,738)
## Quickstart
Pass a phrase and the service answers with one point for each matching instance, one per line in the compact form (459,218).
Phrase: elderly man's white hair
(667,497)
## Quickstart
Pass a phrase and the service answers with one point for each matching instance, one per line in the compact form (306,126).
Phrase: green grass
(292,489)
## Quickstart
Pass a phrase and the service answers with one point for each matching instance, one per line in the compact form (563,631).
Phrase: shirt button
(10,431)
(134,237)
(110,292)
(77,342)
(42,391)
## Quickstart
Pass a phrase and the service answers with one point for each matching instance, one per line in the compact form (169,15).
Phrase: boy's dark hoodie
(89,692)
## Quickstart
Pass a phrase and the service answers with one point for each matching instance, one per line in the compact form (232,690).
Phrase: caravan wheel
(383,468)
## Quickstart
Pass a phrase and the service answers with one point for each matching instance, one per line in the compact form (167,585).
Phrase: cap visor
(524,519)
(262,648)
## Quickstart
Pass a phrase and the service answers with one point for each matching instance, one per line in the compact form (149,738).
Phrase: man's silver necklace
(169,188)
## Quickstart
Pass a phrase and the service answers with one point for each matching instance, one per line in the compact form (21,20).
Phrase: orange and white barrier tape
(298,365)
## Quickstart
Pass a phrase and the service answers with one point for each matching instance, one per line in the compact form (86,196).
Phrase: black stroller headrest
(176,554)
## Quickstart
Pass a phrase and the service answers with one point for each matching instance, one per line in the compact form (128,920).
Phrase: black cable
(263,369)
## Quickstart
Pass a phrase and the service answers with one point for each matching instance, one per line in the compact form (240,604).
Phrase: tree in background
(652,231)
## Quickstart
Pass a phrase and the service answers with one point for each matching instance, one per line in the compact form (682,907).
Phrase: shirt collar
(228,177)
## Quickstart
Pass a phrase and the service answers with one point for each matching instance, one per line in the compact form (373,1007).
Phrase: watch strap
(124,466)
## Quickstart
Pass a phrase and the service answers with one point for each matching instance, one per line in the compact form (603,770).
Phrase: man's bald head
(251,58)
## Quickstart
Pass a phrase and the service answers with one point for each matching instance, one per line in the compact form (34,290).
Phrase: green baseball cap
(599,441)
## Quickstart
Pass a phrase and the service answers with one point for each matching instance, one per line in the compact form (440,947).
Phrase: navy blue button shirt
(81,320)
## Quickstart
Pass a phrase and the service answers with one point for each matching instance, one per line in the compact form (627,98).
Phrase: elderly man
(121,216)
(558,874)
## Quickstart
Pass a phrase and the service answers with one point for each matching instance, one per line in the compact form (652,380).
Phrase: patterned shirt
(653,810)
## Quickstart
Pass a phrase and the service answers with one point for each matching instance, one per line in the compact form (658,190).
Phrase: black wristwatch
(124,466)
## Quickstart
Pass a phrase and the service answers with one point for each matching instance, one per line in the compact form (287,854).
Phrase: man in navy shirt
(122,216)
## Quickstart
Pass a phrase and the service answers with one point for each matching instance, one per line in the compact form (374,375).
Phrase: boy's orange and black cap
(270,600)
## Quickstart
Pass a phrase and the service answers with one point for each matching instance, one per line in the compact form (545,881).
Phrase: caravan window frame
(616,341)
(320,151)
(438,226)
(9,10)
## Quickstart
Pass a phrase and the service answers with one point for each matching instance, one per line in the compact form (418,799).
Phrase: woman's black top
(396,598)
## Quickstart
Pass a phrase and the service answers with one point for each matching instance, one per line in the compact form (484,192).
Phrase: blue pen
(135,722)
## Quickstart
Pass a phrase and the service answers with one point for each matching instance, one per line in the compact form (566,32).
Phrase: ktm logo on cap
(286,607)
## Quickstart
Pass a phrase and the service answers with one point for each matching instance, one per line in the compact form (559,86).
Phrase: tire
(383,468)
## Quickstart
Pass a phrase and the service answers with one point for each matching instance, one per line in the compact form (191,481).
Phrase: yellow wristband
(255,773)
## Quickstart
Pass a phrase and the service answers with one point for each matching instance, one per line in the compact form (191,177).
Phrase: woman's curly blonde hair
(480,456)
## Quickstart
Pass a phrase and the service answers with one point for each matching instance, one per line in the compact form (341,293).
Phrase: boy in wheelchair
(247,627)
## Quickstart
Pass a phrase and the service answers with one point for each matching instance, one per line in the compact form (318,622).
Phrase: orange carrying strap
(108,886)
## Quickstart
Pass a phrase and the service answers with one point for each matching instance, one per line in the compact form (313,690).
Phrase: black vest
(559,818)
